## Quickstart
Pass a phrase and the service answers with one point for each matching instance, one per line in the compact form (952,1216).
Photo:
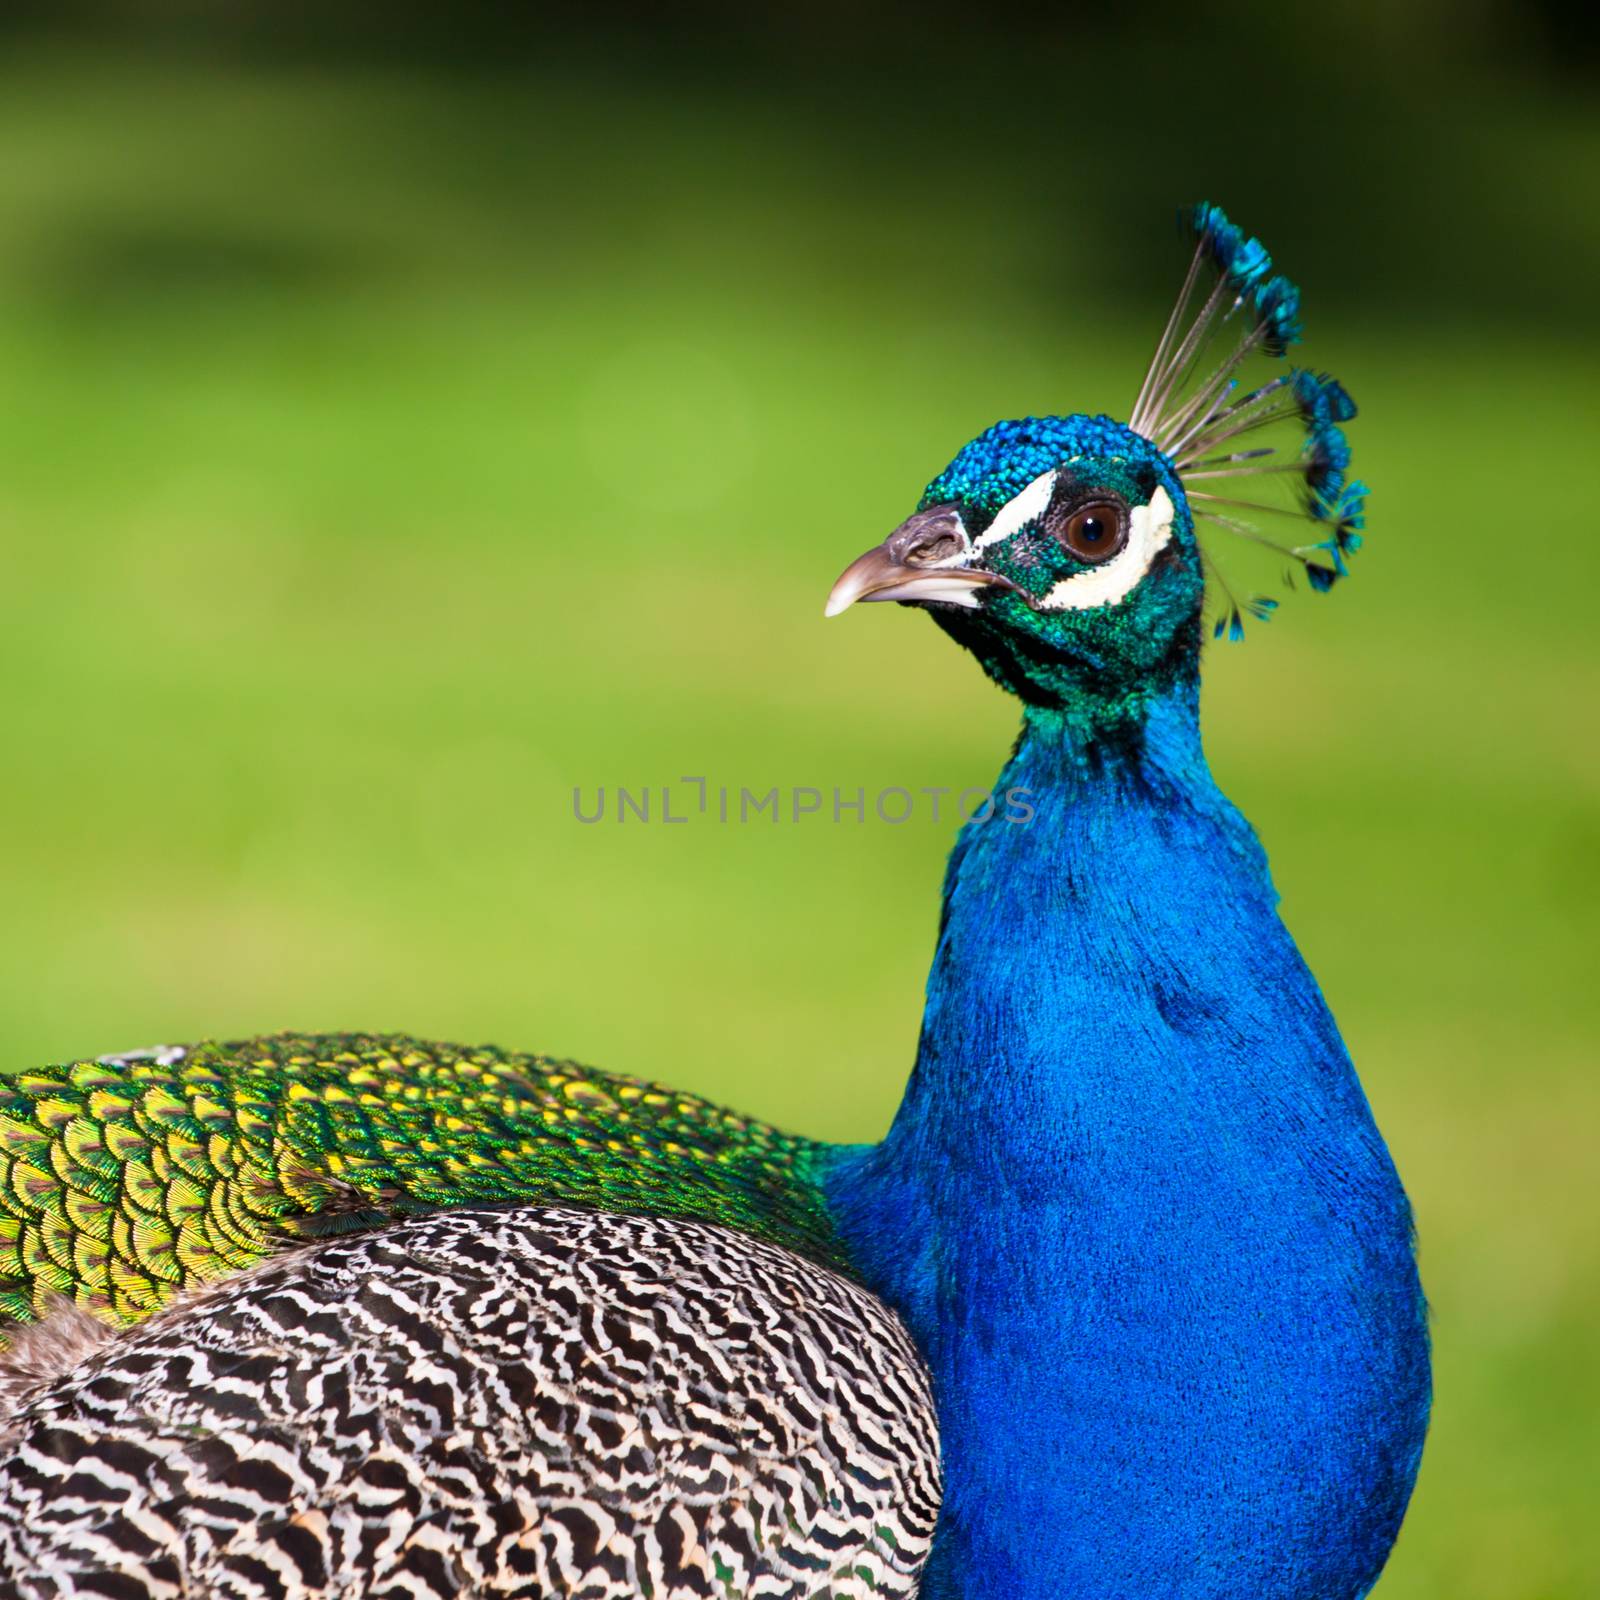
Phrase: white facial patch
(1149,532)
(1019,511)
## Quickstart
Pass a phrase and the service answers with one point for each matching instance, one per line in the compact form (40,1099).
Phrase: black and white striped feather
(524,1401)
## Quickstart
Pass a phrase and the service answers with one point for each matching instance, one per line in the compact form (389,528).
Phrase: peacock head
(1065,552)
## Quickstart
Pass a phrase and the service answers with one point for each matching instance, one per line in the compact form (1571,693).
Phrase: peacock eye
(1094,532)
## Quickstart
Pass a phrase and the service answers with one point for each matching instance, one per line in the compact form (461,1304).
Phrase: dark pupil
(1092,530)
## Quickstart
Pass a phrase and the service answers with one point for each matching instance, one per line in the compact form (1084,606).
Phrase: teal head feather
(1074,555)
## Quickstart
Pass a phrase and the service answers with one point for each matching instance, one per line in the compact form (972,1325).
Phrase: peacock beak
(923,560)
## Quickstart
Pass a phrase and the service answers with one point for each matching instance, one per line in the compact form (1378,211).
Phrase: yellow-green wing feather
(128,1179)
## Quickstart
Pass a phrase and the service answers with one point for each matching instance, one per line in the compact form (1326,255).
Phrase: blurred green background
(403,421)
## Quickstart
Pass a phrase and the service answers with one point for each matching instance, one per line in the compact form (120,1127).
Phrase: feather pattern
(1190,406)
(127,1180)
(521,1401)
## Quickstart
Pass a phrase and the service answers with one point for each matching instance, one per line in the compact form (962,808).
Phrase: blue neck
(1135,1211)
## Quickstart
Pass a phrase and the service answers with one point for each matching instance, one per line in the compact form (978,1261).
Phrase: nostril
(940,548)
(929,537)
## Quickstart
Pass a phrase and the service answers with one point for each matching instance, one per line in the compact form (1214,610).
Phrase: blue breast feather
(1136,1212)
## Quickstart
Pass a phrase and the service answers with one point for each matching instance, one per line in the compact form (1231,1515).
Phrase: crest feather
(1190,407)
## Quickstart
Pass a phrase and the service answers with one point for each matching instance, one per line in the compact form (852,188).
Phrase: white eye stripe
(1019,510)
(1149,532)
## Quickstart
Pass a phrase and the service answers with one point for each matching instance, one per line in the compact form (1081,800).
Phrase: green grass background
(385,450)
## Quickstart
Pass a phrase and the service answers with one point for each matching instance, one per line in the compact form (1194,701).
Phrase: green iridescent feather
(124,1182)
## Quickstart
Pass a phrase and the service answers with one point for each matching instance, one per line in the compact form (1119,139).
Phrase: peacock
(1125,1304)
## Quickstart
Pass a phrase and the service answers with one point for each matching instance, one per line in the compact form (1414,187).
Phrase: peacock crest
(1194,407)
